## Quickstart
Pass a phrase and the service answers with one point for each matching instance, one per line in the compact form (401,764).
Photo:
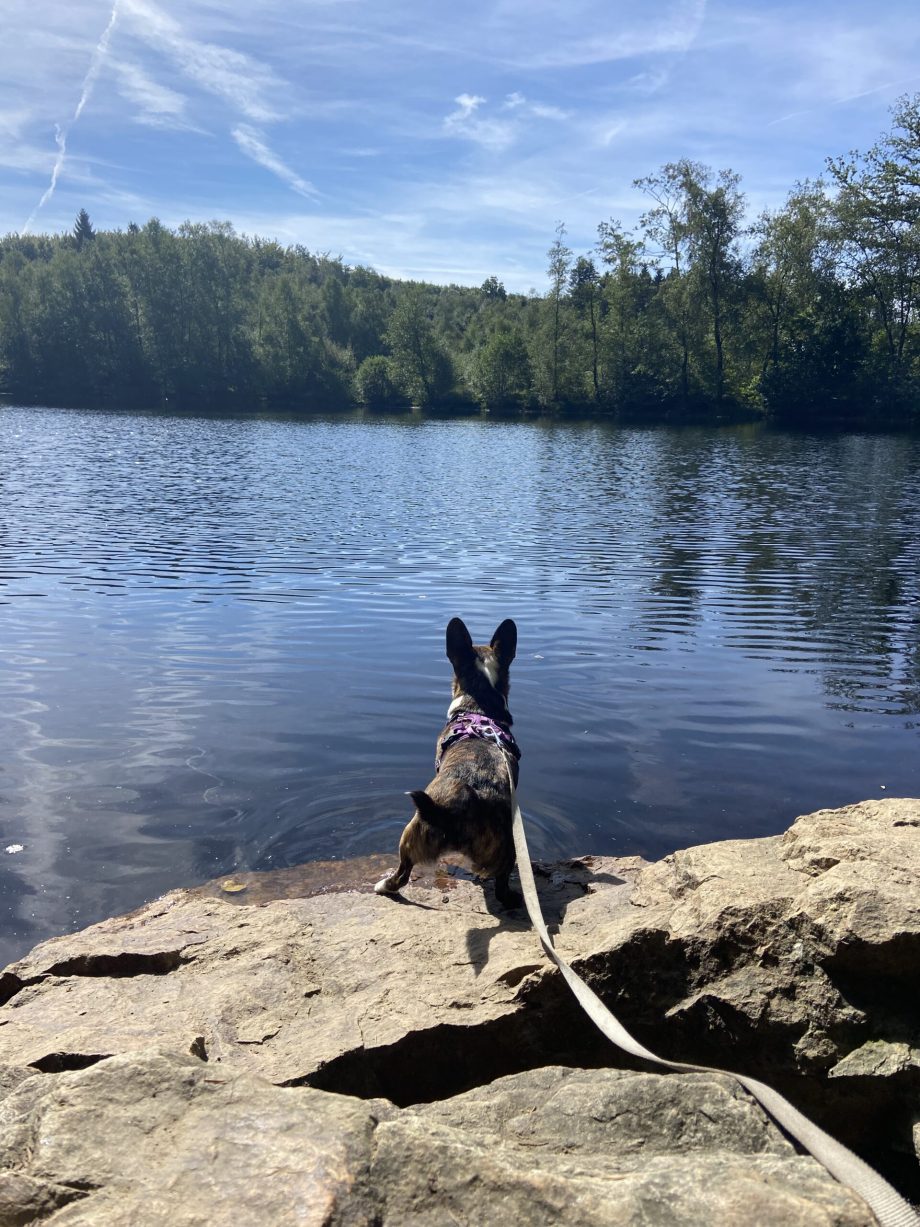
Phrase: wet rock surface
(793,958)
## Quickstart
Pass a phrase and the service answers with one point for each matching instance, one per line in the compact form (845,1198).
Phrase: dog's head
(481,670)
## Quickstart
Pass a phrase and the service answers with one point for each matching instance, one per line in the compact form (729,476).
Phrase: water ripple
(223,638)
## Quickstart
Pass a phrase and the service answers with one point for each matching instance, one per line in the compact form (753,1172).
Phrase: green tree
(420,365)
(877,228)
(714,209)
(493,288)
(695,222)
(585,291)
(375,386)
(666,227)
(83,231)
(790,263)
(632,354)
(560,262)
(500,371)
(336,312)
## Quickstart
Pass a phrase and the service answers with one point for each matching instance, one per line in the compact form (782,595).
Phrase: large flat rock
(283,989)
(793,958)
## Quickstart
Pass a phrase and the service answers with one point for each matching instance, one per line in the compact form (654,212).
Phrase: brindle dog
(467,806)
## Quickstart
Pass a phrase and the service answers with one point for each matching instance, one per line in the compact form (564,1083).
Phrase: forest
(807,315)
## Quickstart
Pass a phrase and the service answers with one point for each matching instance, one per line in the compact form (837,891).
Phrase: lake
(222,639)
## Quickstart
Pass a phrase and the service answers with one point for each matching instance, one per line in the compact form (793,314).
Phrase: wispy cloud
(253,145)
(322,119)
(609,130)
(468,123)
(157,104)
(16,151)
(543,111)
(238,79)
(60,133)
(649,82)
(497,132)
(668,32)
(400,243)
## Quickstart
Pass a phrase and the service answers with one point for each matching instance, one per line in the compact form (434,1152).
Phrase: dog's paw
(384,886)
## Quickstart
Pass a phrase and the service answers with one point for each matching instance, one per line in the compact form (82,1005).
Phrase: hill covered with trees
(809,315)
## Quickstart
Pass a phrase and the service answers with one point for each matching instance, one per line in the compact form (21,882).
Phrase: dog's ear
(459,644)
(504,642)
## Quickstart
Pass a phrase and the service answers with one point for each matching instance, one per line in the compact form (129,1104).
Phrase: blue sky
(428,140)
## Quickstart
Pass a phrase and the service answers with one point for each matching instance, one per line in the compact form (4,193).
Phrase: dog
(467,806)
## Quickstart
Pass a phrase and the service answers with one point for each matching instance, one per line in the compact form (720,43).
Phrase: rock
(153,1138)
(601,1147)
(150,1137)
(876,1059)
(605,1146)
(788,958)
(24,1200)
(327,990)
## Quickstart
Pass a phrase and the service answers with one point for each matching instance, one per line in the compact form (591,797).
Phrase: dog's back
(467,806)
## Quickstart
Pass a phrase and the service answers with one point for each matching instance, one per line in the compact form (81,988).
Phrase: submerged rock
(792,958)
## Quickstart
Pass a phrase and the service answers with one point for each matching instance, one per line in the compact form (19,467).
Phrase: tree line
(810,314)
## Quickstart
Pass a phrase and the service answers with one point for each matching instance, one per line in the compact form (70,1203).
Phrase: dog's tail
(443,817)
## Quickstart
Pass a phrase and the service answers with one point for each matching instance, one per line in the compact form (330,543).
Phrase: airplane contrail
(61,133)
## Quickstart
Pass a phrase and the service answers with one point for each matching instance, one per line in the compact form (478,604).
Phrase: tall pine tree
(83,231)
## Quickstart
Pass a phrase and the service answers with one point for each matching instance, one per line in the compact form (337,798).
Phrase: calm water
(222,639)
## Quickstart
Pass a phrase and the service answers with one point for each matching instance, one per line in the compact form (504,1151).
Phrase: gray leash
(888,1206)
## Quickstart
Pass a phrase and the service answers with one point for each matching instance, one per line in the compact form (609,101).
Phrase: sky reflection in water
(222,639)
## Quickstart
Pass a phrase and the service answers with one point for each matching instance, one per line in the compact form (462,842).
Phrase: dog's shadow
(558,885)
(404,902)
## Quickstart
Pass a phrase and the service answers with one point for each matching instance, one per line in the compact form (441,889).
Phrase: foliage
(811,314)
(420,364)
(83,231)
(375,386)
(500,371)
(555,327)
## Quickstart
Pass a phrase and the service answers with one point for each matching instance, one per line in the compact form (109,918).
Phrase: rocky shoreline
(347,1058)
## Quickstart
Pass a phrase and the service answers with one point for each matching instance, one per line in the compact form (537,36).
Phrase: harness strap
(469,725)
(888,1206)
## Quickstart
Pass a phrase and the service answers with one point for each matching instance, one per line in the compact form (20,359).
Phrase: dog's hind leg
(507,897)
(395,881)
(413,850)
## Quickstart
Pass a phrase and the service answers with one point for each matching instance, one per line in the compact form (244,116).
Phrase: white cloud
(20,156)
(493,133)
(649,82)
(238,79)
(542,111)
(404,244)
(16,151)
(12,122)
(253,145)
(158,104)
(609,131)
(561,112)
(465,122)
(670,32)
(466,105)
